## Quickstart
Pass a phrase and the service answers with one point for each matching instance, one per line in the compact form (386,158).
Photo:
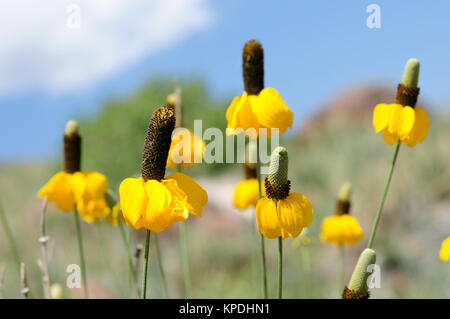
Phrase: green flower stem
(161,268)
(126,240)
(280,267)
(263,248)
(386,188)
(80,248)
(185,259)
(144,273)
(9,235)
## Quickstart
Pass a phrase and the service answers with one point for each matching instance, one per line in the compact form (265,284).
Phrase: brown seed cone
(342,207)
(406,95)
(157,143)
(275,191)
(250,171)
(353,294)
(72,152)
(253,67)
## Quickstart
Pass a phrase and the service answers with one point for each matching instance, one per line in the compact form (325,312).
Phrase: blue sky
(313,49)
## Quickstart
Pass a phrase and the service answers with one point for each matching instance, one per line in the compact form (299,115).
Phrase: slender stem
(9,235)
(341,275)
(144,274)
(23,278)
(386,188)
(43,239)
(263,248)
(280,267)
(80,248)
(161,268)
(131,271)
(185,259)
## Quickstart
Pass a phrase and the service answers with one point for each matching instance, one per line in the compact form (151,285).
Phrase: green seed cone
(278,169)
(345,192)
(411,73)
(358,281)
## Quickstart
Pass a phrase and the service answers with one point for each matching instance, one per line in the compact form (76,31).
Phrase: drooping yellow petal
(96,184)
(271,111)
(294,213)
(420,128)
(93,209)
(402,122)
(342,229)
(157,214)
(133,199)
(179,207)
(246,193)
(445,250)
(196,195)
(389,138)
(382,115)
(59,191)
(267,219)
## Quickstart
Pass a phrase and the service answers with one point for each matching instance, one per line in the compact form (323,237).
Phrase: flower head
(152,201)
(282,213)
(445,250)
(184,149)
(71,188)
(258,107)
(342,228)
(403,121)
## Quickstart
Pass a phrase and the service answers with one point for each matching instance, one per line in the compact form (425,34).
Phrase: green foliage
(113,140)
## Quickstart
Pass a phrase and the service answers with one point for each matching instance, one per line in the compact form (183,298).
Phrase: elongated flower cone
(357,287)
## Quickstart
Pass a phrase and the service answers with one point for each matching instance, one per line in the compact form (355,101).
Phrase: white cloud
(38,49)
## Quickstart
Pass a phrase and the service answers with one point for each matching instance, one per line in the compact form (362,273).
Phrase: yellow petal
(382,115)
(246,193)
(389,138)
(240,117)
(445,250)
(420,128)
(196,195)
(294,213)
(402,122)
(266,218)
(59,191)
(271,111)
(96,184)
(133,199)
(157,214)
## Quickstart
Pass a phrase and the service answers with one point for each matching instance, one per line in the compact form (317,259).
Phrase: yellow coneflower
(403,121)
(258,107)
(155,202)
(342,228)
(74,189)
(246,192)
(282,214)
(445,250)
(186,146)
